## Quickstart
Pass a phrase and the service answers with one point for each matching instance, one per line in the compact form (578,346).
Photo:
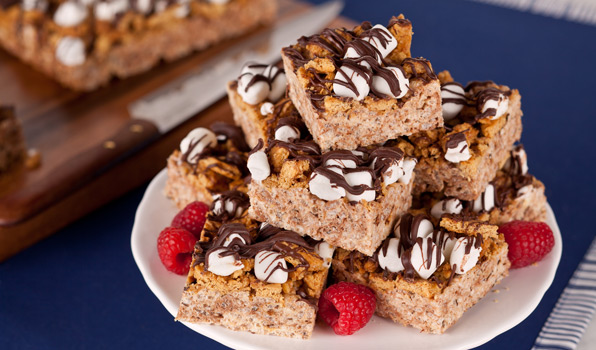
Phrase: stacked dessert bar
(400,174)
(84,43)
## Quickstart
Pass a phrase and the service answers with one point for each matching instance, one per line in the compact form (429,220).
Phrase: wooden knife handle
(78,171)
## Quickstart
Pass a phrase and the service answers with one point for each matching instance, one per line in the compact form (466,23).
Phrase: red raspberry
(528,241)
(347,307)
(192,218)
(175,247)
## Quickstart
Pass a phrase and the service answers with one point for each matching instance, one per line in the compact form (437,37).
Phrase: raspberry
(528,241)
(192,218)
(347,307)
(175,247)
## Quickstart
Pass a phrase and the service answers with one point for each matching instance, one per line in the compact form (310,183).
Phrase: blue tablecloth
(82,289)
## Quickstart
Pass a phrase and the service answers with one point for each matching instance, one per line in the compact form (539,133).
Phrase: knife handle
(78,171)
(130,138)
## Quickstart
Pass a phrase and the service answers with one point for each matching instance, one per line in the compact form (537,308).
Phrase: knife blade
(175,102)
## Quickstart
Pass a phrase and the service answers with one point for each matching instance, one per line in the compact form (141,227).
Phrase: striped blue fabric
(582,11)
(573,312)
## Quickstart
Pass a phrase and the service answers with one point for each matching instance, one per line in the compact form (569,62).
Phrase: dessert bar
(257,100)
(482,122)
(426,276)
(83,44)
(209,161)
(361,87)
(513,194)
(350,199)
(253,277)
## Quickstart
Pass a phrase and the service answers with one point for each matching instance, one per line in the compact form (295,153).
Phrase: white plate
(518,295)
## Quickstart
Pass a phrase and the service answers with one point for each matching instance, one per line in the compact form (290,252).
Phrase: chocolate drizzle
(239,203)
(384,158)
(454,140)
(221,151)
(408,240)
(427,76)
(195,159)
(459,100)
(478,93)
(232,133)
(241,246)
(268,79)
(336,42)
(308,150)
(341,156)
(408,229)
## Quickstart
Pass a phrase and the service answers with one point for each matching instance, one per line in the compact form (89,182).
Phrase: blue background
(81,288)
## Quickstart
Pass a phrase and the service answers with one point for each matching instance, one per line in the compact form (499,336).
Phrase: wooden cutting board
(92,151)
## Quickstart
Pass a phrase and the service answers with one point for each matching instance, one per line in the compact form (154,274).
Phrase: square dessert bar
(427,276)
(256,278)
(257,101)
(209,161)
(361,87)
(513,194)
(482,122)
(12,142)
(349,199)
(83,44)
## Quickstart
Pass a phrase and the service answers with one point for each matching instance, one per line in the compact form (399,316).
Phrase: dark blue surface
(82,289)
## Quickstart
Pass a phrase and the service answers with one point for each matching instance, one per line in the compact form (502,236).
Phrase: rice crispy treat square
(84,46)
(259,121)
(473,259)
(212,161)
(350,199)
(513,194)
(350,98)
(253,277)
(461,158)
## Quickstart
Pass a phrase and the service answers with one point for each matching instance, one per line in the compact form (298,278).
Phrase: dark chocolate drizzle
(286,243)
(454,140)
(269,79)
(221,152)
(407,235)
(384,158)
(238,199)
(399,21)
(336,42)
(232,133)
(459,100)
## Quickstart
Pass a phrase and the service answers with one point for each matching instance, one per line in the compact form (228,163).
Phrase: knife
(162,110)
(175,102)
